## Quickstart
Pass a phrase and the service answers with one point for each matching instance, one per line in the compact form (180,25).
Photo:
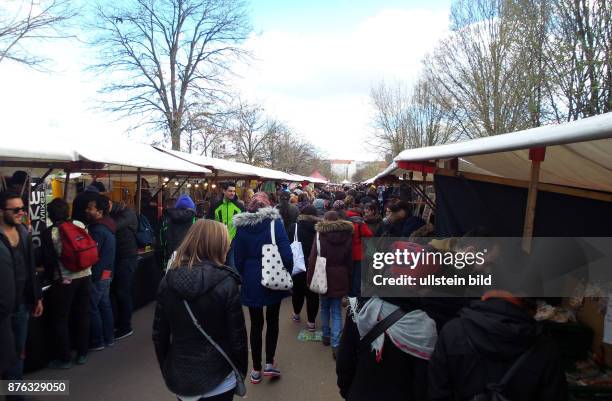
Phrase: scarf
(414,334)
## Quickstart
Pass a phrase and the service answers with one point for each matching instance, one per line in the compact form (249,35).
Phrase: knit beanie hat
(185,202)
(260,200)
(339,205)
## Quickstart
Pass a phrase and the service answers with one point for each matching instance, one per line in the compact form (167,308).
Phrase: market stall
(224,170)
(552,181)
(123,166)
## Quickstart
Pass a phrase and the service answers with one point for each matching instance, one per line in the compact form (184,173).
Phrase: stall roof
(55,151)
(35,147)
(229,169)
(127,155)
(578,154)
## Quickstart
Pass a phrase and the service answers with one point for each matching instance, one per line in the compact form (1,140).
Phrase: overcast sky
(314,63)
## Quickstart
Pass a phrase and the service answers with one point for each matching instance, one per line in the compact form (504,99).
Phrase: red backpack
(79,250)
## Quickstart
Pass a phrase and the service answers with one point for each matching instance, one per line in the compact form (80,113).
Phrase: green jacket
(225,211)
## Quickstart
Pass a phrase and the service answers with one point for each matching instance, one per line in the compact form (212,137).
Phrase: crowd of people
(385,348)
(217,262)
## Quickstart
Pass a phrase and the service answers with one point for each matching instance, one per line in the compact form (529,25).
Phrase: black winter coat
(397,376)
(189,364)
(127,226)
(289,215)
(32,292)
(306,232)
(500,333)
(7,305)
(177,223)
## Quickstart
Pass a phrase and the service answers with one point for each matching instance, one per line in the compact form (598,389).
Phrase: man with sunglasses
(16,255)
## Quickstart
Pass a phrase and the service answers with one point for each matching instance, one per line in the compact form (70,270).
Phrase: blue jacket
(103,232)
(253,232)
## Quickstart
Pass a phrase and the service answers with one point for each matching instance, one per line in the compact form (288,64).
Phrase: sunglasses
(16,210)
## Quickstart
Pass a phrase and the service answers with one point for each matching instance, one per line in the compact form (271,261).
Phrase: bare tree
(479,70)
(208,131)
(391,119)
(368,171)
(284,150)
(250,133)
(167,55)
(406,120)
(24,22)
(579,57)
(427,122)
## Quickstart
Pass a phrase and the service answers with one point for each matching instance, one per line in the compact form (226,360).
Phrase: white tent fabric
(118,156)
(578,154)
(115,154)
(228,168)
(35,147)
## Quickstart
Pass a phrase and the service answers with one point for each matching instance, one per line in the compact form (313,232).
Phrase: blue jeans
(356,280)
(101,328)
(333,307)
(19,324)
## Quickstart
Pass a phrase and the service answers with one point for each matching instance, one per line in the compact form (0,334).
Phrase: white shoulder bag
(318,283)
(299,265)
(273,273)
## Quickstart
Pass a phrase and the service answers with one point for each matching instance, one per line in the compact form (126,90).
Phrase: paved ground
(129,371)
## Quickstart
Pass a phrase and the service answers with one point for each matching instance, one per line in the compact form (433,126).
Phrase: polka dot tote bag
(273,273)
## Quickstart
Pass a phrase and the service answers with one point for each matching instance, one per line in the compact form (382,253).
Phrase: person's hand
(38,309)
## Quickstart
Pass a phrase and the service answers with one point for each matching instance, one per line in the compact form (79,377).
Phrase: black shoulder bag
(380,328)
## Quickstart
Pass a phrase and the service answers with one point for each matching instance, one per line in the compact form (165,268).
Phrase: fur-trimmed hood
(327,226)
(252,219)
(307,217)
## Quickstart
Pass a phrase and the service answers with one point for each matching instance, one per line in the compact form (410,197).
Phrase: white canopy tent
(15,148)
(231,169)
(578,154)
(574,159)
(130,156)
(46,151)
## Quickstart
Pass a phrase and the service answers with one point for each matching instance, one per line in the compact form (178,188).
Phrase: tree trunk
(175,135)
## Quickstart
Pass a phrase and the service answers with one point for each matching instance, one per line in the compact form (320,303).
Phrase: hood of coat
(180,216)
(108,222)
(253,219)
(354,217)
(336,232)
(308,222)
(499,328)
(118,208)
(190,283)
(326,226)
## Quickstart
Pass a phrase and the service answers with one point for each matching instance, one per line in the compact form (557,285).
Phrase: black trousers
(301,292)
(71,302)
(121,289)
(257,323)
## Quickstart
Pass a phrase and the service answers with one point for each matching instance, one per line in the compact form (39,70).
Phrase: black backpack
(495,391)
(144,235)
